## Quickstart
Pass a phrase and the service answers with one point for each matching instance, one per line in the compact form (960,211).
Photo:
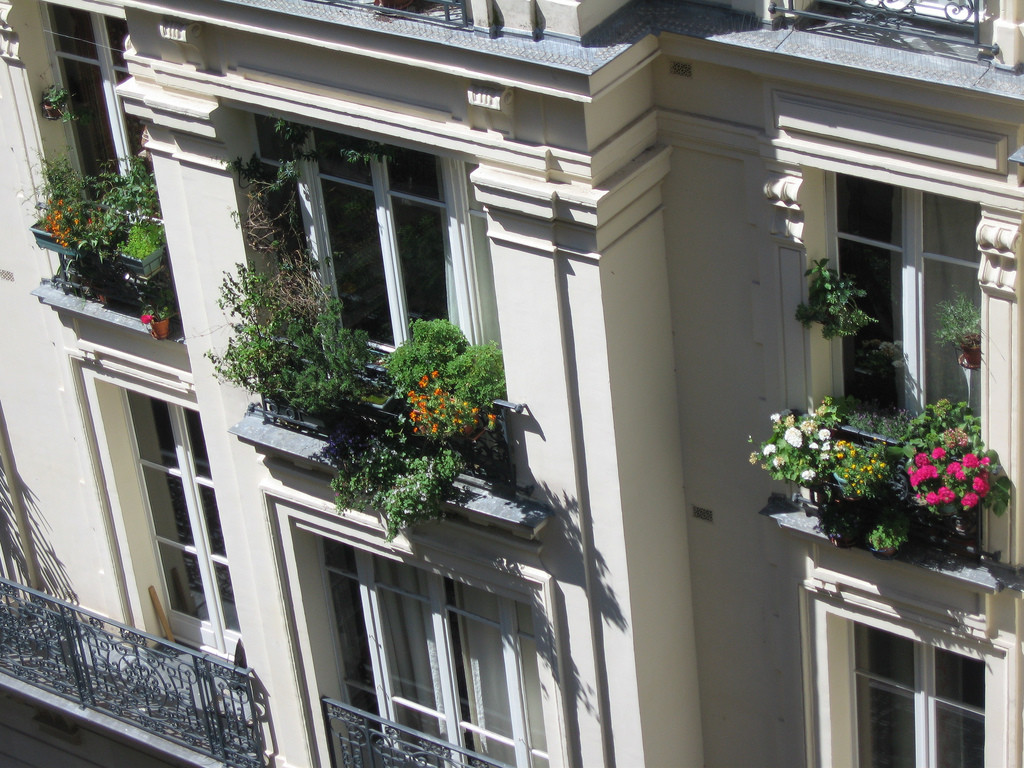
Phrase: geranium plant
(945,478)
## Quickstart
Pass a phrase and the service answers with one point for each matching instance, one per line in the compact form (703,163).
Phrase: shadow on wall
(25,543)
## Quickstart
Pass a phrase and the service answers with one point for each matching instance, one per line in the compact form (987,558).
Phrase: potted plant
(56,104)
(889,533)
(143,252)
(65,212)
(800,447)
(960,325)
(160,305)
(832,301)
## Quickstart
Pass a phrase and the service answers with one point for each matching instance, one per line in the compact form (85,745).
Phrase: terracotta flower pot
(159,329)
(970,358)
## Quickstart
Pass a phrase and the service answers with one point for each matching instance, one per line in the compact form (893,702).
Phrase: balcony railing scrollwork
(187,697)
(362,740)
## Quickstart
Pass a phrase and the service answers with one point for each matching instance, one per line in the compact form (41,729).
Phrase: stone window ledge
(522,517)
(92,310)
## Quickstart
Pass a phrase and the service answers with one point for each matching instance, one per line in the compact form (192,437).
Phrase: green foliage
(158,297)
(143,238)
(959,322)
(831,301)
(58,99)
(890,531)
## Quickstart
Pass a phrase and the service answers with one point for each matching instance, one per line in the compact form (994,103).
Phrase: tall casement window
(910,251)
(182,504)
(393,234)
(917,706)
(88,51)
(437,655)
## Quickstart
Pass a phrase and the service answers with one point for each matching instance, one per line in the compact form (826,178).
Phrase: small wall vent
(681,68)
(6,274)
(703,513)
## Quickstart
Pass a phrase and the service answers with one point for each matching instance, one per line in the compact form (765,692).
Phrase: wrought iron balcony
(187,697)
(362,740)
(956,22)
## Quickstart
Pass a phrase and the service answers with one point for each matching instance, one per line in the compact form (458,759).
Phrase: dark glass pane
(271,142)
(117,31)
(873,361)
(227,596)
(93,136)
(339,556)
(869,209)
(959,679)
(415,173)
(153,432)
(184,584)
(885,655)
(949,226)
(72,32)
(358,264)
(885,726)
(943,375)
(353,645)
(210,514)
(345,157)
(421,249)
(960,738)
(167,504)
(195,436)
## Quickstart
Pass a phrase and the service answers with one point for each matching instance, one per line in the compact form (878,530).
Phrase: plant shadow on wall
(19,546)
(401,426)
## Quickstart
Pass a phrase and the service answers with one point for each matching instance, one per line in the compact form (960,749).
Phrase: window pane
(873,359)
(943,375)
(414,173)
(960,738)
(345,157)
(421,248)
(227,596)
(72,32)
(358,264)
(340,557)
(885,726)
(200,459)
(949,226)
(184,584)
(483,686)
(212,518)
(93,136)
(117,31)
(167,505)
(885,655)
(960,679)
(153,430)
(486,299)
(353,645)
(869,209)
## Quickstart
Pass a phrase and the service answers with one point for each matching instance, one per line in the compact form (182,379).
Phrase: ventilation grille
(703,513)
(681,68)
(6,274)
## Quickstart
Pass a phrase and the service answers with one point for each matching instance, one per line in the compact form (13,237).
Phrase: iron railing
(362,740)
(950,21)
(449,13)
(187,697)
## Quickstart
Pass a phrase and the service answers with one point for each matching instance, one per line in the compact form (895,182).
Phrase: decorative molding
(8,37)
(998,237)
(782,191)
(181,32)
(489,97)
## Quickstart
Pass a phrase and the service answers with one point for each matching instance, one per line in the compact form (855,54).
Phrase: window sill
(74,305)
(986,576)
(474,502)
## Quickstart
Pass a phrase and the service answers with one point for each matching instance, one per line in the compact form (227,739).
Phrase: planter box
(147,266)
(45,240)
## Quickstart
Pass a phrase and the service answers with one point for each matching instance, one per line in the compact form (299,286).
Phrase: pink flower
(946,495)
(927,472)
(938,453)
(921,459)
(146,319)
(970,500)
(985,461)
(981,485)
(971,461)
(932,498)
(954,468)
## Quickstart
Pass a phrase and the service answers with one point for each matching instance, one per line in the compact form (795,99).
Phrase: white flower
(807,475)
(769,449)
(824,434)
(808,427)
(793,437)
(776,418)
(826,446)
(813,446)
(778,461)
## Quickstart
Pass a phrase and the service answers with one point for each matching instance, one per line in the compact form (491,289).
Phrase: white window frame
(112,104)
(210,634)
(446,663)
(914,258)
(464,286)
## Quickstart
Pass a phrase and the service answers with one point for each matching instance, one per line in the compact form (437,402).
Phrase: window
(917,706)
(909,250)
(437,655)
(392,233)
(179,491)
(89,55)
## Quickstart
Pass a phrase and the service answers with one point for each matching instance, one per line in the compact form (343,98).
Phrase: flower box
(146,266)
(46,240)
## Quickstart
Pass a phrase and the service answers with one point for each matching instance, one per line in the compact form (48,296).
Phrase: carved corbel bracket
(998,237)
(782,190)
(8,37)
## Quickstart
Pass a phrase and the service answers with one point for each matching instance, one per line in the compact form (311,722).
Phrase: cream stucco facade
(647,198)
